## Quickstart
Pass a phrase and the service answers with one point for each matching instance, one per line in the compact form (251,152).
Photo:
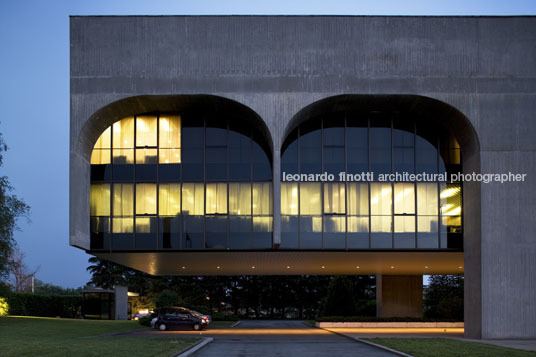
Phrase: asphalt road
(270,338)
(282,338)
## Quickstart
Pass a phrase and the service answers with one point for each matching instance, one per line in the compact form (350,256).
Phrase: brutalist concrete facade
(484,67)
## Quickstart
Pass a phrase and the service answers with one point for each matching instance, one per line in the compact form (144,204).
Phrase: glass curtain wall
(169,181)
(354,213)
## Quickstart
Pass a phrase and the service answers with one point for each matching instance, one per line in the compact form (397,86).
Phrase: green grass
(30,336)
(444,347)
(222,323)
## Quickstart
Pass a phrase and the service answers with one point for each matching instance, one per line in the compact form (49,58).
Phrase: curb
(190,350)
(236,323)
(381,347)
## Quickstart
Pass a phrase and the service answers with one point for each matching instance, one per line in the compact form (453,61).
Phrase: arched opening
(179,173)
(385,134)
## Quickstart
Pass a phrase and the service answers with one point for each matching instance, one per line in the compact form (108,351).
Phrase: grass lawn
(444,347)
(30,336)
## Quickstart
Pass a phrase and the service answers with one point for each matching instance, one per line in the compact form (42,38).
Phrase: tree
(340,299)
(11,207)
(443,298)
(20,274)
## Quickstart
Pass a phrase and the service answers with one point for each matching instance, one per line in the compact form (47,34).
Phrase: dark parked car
(177,317)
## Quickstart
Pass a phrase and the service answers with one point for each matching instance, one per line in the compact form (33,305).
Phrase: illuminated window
(262,198)
(99,200)
(169,199)
(216,198)
(404,198)
(193,199)
(123,141)
(145,198)
(289,198)
(240,199)
(170,139)
(334,198)
(101,154)
(123,200)
(310,199)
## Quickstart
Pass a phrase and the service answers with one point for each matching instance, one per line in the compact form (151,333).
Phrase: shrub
(145,320)
(26,304)
(4,307)
(219,316)
(378,319)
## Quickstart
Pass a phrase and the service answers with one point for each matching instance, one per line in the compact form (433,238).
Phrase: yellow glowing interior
(169,199)
(158,140)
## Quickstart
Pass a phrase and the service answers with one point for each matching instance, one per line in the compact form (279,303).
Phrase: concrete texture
(121,303)
(399,296)
(485,67)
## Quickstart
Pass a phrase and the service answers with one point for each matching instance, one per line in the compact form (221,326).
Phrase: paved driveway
(282,338)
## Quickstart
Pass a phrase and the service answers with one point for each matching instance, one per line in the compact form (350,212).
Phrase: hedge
(378,319)
(26,304)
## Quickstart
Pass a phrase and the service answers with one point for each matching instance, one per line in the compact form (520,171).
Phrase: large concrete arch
(448,118)
(104,117)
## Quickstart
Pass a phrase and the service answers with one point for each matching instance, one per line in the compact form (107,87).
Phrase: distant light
(357,267)
(217,267)
(392,267)
(288,266)
(323,267)
(426,267)
(253,267)
(460,267)
(183,267)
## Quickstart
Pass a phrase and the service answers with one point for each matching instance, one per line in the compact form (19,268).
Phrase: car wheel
(196,327)
(162,327)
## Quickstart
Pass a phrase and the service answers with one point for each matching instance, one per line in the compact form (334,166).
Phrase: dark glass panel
(262,232)
(334,232)
(216,236)
(216,132)
(310,232)
(380,146)
(334,161)
(357,145)
(381,241)
(262,169)
(289,159)
(123,172)
(169,232)
(100,232)
(310,148)
(404,146)
(146,229)
(455,241)
(239,157)
(333,131)
(192,152)
(169,172)
(192,233)
(216,169)
(450,153)
(101,172)
(289,232)
(426,149)
(240,232)
(122,241)
(146,172)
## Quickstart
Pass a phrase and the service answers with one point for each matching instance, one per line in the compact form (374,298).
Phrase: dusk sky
(34,65)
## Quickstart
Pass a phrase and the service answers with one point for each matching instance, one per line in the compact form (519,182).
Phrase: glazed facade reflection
(170,181)
(370,215)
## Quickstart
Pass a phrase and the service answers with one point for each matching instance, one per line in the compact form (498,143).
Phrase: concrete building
(184,130)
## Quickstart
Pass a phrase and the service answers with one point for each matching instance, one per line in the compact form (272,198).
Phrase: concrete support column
(121,303)
(399,296)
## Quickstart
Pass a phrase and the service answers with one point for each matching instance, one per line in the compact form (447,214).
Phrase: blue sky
(34,93)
